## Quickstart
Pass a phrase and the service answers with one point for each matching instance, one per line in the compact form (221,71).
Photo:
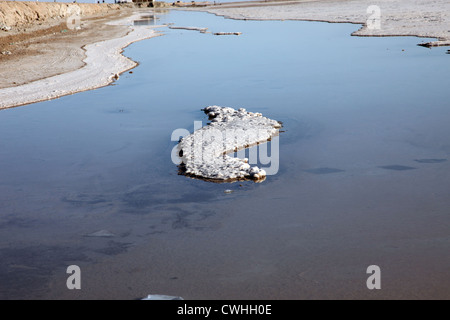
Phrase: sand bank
(80,67)
(46,57)
(422,18)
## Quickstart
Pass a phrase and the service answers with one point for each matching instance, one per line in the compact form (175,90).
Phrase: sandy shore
(422,18)
(51,61)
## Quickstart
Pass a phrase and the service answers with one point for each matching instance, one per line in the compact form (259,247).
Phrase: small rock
(116,77)
(227,33)
(4,27)
(228,191)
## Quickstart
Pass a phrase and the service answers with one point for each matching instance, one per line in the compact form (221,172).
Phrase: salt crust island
(204,153)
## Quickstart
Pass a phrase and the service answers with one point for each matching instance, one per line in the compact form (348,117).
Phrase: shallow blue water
(100,159)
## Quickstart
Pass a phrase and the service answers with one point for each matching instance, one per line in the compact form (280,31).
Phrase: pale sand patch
(422,18)
(104,60)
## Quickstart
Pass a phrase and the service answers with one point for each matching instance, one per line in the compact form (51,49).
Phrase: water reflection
(147,20)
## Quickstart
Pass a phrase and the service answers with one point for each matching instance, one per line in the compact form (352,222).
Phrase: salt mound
(204,152)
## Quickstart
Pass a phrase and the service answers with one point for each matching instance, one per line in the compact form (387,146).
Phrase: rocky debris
(426,44)
(201,30)
(4,27)
(191,4)
(227,33)
(204,153)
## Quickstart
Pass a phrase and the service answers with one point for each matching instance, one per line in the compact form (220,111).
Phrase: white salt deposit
(104,62)
(204,152)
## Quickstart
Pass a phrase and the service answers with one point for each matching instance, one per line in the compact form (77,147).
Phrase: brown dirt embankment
(17,14)
(38,44)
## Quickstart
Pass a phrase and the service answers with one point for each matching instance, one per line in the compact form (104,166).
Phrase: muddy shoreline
(48,62)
